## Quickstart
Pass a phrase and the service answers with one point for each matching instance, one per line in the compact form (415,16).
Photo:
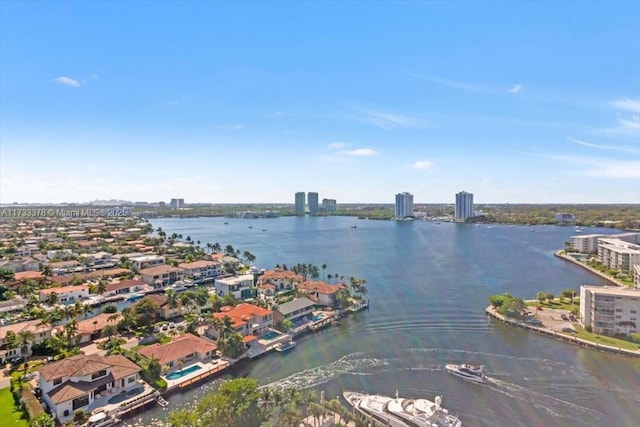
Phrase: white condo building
(464,206)
(404,205)
(610,310)
(301,201)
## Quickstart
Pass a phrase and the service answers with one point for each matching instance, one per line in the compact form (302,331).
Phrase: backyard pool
(183,372)
(316,317)
(270,335)
(124,395)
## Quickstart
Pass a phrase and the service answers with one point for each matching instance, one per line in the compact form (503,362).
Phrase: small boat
(468,371)
(135,297)
(161,401)
(354,226)
(226,223)
(285,346)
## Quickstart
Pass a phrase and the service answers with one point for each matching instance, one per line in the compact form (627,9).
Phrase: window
(130,380)
(633,312)
(57,381)
(618,310)
(98,374)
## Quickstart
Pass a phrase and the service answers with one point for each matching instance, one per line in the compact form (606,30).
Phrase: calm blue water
(183,372)
(429,285)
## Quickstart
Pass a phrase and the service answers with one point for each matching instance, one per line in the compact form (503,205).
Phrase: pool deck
(148,395)
(207,369)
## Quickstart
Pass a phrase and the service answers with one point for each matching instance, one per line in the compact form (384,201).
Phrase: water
(429,285)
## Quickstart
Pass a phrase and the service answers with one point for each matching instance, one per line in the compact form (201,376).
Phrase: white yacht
(468,371)
(402,412)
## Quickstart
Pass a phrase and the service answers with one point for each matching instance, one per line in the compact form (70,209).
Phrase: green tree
(235,404)
(25,339)
(42,420)
(569,293)
(496,300)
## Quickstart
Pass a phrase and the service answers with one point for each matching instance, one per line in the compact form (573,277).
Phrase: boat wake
(352,364)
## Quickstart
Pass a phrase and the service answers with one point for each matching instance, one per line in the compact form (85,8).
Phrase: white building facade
(609,310)
(239,286)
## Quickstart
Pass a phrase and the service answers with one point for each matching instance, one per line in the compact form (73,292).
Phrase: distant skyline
(250,102)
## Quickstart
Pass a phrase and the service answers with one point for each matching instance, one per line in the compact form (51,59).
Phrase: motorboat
(281,348)
(468,371)
(402,412)
(101,419)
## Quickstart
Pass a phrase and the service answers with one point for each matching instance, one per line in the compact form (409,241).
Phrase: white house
(203,270)
(248,319)
(282,279)
(66,294)
(8,352)
(161,276)
(239,286)
(187,349)
(146,261)
(76,382)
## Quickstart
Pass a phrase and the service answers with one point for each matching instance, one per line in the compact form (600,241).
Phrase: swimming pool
(270,335)
(183,372)
(316,317)
(124,395)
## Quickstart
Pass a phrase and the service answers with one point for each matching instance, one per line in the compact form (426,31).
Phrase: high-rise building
(404,205)
(312,200)
(464,206)
(176,203)
(329,205)
(300,203)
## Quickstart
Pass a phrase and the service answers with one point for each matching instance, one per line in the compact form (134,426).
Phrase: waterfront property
(66,294)
(182,352)
(320,292)
(294,310)
(609,310)
(161,276)
(248,320)
(91,329)
(202,271)
(282,280)
(124,287)
(79,382)
(239,286)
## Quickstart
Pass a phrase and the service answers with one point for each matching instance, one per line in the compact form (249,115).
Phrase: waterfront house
(202,271)
(294,310)
(28,275)
(248,320)
(66,294)
(124,287)
(8,351)
(323,293)
(74,383)
(182,351)
(20,265)
(145,261)
(161,276)
(284,280)
(239,286)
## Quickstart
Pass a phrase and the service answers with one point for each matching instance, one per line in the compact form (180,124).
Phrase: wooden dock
(204,375)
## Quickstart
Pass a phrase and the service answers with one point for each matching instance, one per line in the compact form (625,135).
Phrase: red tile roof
(320,287)
(24,275)
(178,348)
(279,274)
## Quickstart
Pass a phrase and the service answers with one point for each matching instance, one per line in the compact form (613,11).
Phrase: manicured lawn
(564,305)
(9,413)
(604,340)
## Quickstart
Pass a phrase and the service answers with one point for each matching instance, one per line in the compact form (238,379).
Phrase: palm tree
(86,310)
(323,267)
(172,301)
(25,339)
(52,299)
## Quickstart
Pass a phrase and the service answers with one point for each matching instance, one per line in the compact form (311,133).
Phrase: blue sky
(230,102)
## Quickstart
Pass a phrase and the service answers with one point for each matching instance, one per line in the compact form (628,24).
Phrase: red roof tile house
(187,349)
(281,280)
(76,382)
(248,320)
(7,351)
(321,292)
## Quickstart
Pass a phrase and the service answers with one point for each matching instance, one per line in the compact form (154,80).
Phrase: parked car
(534,322)
(573,318)
(564,317)
(568,329)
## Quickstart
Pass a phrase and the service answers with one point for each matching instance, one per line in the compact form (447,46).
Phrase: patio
(119,405)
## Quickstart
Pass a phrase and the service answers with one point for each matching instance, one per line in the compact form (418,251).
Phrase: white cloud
(338,145)
(517,88)
(466,87)
(421,164)
(359,152)
(63,80)
(604,147)
(385,120)
(603,168)
(235,126)
(627,104)
(627,126)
